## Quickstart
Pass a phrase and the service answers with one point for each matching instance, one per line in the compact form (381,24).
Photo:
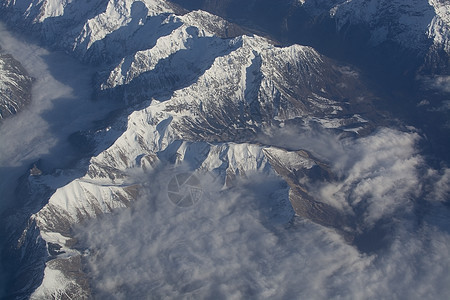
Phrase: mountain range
(223,90)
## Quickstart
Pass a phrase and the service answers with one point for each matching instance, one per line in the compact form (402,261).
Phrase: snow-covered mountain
(416,31)
(422,26)
(199,97)
(15,86)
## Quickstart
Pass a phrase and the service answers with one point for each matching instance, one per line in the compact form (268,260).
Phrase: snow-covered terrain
(419,25)
(60,106)
(15,86)
(284,144)
(411,30)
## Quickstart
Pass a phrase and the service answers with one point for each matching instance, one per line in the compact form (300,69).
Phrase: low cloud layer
(61,104)
(243,243)
(439,83)
(236,243)
(381,175)
(376,175)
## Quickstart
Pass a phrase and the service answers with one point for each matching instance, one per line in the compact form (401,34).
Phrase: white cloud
(380,174)
(441,83)
(376,175)
(321,143)
(61,104)
(233,243)
(440,187)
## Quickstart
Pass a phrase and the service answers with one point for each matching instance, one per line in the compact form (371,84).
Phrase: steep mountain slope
(15,86)
(420,26)
(415,31)
(400,46)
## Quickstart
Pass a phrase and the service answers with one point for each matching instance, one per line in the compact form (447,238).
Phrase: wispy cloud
(238,243)
(380,174)
(375,175)
(61,104)
(441,83)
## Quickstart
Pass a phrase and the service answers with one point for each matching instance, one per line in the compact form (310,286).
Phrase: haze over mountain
(175,152)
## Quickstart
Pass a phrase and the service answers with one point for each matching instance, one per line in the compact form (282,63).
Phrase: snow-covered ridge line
(104,31)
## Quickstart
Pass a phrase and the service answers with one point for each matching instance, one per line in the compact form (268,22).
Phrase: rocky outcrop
(15,86)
